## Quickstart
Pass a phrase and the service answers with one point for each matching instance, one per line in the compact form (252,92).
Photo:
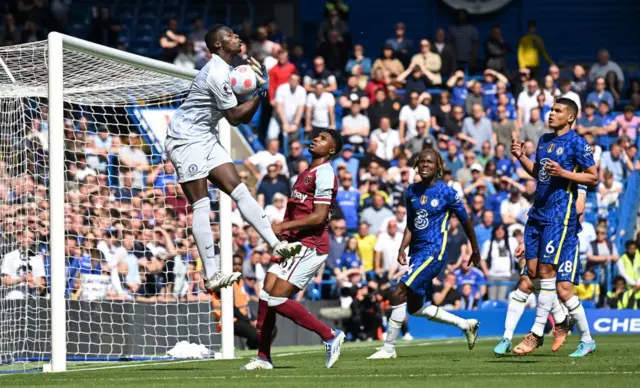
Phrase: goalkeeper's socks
(514,311)
(266,321)
(577,313)
(545,301)
(302,317)
(202,234)
(436,314)
(254,214)
(398,315)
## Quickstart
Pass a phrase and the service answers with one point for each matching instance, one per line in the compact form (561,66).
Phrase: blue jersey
(555,198)
(428,211)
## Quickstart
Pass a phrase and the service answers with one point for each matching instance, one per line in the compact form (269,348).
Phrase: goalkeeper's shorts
(195,158)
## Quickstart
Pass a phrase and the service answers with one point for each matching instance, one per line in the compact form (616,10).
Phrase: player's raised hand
(553,168)
(519,251)
(517,146)
(402,257)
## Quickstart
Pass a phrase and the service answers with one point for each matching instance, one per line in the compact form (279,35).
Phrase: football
(243,80)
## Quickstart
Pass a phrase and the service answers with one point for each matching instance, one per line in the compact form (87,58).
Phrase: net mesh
(134,287)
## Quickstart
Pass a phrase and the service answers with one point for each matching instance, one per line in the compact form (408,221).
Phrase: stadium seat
(493,304)
(588,304)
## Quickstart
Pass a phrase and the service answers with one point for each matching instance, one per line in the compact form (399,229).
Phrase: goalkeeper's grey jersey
(209,96)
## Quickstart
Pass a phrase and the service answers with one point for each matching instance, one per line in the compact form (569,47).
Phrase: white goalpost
(96,258)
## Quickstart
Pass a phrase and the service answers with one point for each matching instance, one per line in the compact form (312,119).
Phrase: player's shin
(398,315)
(266,321)
(545,301)
(437,314)
(254,214)
(203,235)
(578,315)
(300,316)
(515,309)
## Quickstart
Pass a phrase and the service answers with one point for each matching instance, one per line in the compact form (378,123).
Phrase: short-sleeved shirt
(554,201)
(321,106)
(209,97)
(291,100)
(263,159)
(411,117)
(316,185)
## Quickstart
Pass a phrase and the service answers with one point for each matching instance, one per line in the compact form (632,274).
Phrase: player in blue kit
(525,288)
(429,206)
(550,233)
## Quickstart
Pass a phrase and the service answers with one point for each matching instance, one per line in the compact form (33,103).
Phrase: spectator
(629,123)
(261,47)
(23,269)
(104,29)
(601,255)
(612,85)
(320,75)
(275,211)
(400,44)
(429,62)
(386,248)
(352,93)
(609,191)
(196,36)
(335,52)
(171,40)
(440,111)
(333,23)
(588,289)
(274,34)
(621,298)
(609,125)
(528,100)
(599,93)
(464,37)
(616,161)
(259,162)
(603,66)
(10,32)
(349,263)
(388,63)
(491,81)
(473,277)
(458,247)
(289,103)
(498,261)
(447,53)
(366,245)
(530,48)
(410,115)
(295,157)
(564,85)
(515,207)
(337,243)
(586,236)
(348,199)
(475,97)
(380,107)
(629,268)
(477,128)
(468,299)
(320,113)
(375,214)
(299,60)
(496,50)
(280,74)
(414,78)
(634,93)
(447,295)
(186,57)
(504,99)
(400,219)
(589,122)
(355,127)
(351,164)
(272,184)
(454,124)
(580,82)
(503,127)
(358,59)
(485,228)
(384,141)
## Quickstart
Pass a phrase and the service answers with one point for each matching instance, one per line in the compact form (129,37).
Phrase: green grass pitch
(419,363)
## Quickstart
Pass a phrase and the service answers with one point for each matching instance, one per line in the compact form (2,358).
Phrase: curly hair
(438,158)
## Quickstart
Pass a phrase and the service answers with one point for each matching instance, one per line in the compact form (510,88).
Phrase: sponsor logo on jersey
(422,219)
(560,151)
(193,168)
(458,197)
(543,175)
(299,196)
(423,200)
(550,148)
(307,180)
(434,202)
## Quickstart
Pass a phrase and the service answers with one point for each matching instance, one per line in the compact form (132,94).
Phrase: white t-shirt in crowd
(15,265)
(586,236)
(527,102)
(386,142)
(388,247)
(263,159)
(401,224)
(502,259)
(291,100)
(321,106)
(411,117)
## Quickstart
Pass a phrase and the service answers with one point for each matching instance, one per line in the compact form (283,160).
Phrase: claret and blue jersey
(428,213)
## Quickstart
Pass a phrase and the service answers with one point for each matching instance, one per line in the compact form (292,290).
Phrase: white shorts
(301,269)
(194,159)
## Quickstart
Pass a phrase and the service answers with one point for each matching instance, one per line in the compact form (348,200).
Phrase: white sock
(398,315)
(434,313)
(201,229)
(253,214)
(545,301)
(576,311)
(514,312)
(557,311)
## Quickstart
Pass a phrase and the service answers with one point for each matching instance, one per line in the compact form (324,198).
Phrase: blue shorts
(423,268)
(568,269)
(549,243)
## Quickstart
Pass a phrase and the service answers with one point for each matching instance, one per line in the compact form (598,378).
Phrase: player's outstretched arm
(471,235)
(314,220)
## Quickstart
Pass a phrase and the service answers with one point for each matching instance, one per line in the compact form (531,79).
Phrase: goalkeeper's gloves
(262,77)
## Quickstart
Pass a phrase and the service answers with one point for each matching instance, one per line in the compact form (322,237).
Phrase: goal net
(96,259)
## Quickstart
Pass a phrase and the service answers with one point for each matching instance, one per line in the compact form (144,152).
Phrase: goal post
(55,86)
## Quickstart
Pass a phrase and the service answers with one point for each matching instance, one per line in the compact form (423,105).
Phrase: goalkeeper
(194,148)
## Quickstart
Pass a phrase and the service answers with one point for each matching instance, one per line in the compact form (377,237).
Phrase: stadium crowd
(127,218)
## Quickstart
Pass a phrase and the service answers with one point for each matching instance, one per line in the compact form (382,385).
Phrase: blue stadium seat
(493,304)
(588,304)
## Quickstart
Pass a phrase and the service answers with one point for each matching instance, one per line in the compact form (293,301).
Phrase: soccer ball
(243,80)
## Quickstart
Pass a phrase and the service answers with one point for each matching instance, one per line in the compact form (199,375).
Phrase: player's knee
(565,291)
(275,301)
(525,285)
(546,271)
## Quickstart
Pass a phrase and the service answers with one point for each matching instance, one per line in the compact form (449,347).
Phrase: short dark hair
(564,81)
(337,140)
(569,103)
(213,35)
(629,243)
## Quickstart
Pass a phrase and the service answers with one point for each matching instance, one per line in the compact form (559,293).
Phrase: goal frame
(56,43)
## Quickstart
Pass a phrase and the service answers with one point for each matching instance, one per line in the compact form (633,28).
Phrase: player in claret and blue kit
(551,244)
(429,206)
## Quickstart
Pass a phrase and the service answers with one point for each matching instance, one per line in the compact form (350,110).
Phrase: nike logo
(264,215)
(546,256)
(210,246)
